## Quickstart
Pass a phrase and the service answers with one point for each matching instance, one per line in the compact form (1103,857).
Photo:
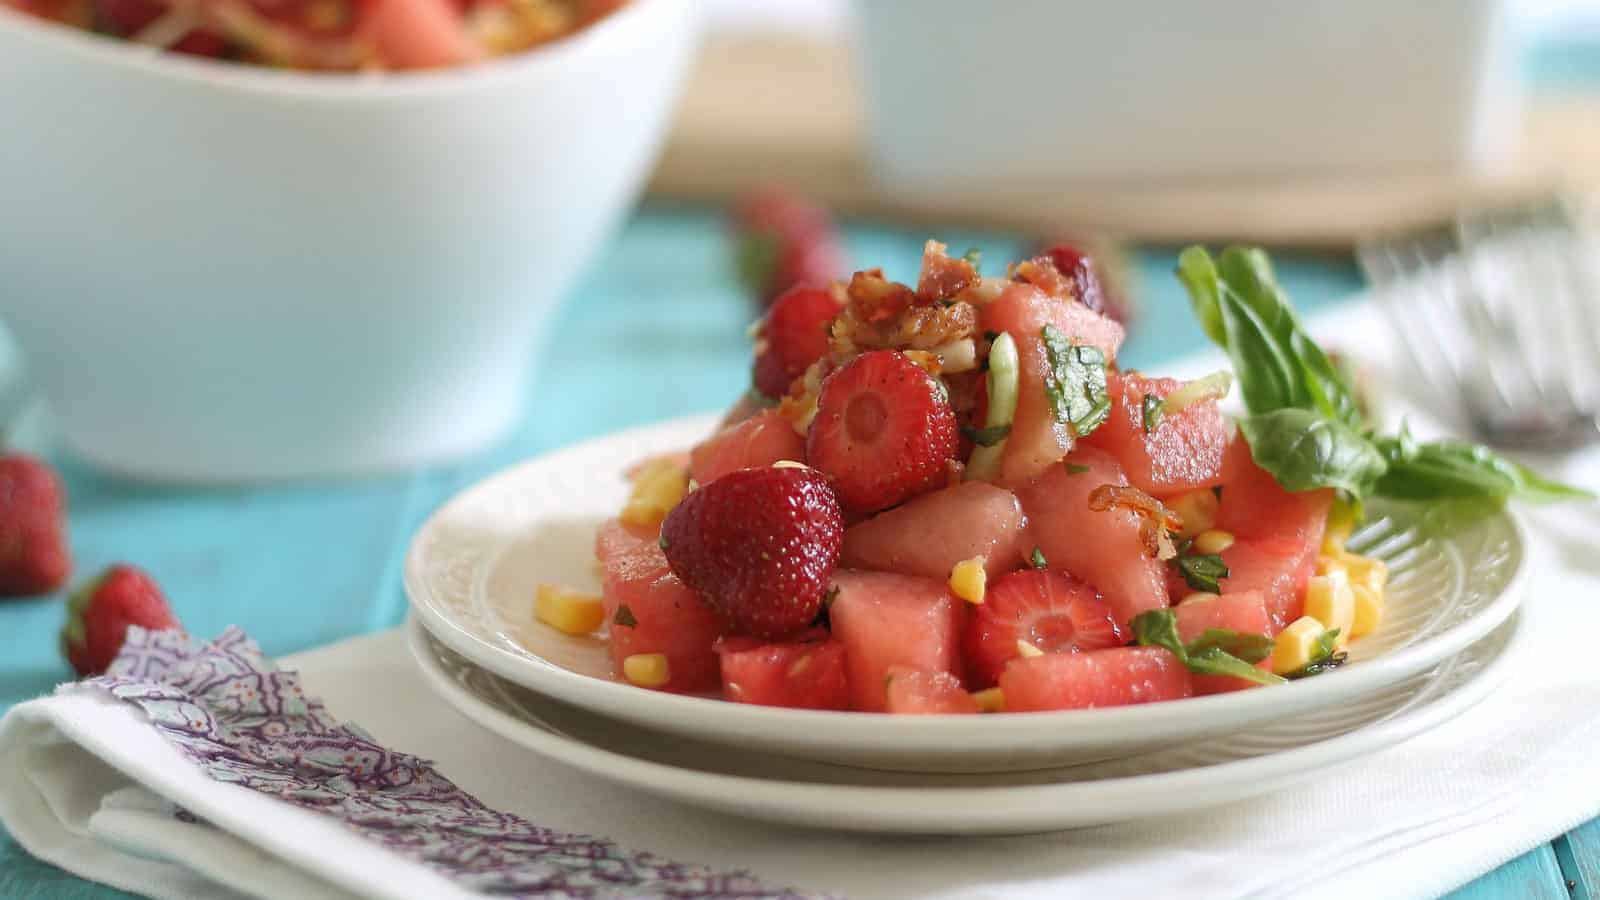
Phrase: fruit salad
(330,34)
(949,497)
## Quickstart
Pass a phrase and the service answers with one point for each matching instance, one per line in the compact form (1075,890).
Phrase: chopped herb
(1216,652)
(974,257)
(1152,409)
(624,617)
(990,336)
(1037,560)
(1200,571)
(987,437)
(1325,658)
(1076,468)
(662,541)
(1075,383)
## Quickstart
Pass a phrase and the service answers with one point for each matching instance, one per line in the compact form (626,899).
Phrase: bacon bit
(875,299)
(1155,520)
(1043,274)
(943,277)
(930,362)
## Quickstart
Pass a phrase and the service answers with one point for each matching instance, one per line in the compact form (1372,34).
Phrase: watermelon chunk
(1244,612)
(1022,310)
(1184,450)
(1120,676)
(1101,548)
(889,620)
(669,617)
(931,533)
(760,440)
(1280,534)
(803,674)
(1276,568)
(914,692)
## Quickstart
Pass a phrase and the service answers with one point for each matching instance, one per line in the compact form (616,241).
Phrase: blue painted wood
(1532,876)
(1583,850)
(656,330)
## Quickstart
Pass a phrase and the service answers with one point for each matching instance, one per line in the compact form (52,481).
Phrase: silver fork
(1499,313)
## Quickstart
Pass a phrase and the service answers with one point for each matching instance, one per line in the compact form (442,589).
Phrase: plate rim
(881,731)
(1001,809)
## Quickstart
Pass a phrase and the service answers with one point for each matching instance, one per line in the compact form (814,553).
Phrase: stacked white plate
(1448,635)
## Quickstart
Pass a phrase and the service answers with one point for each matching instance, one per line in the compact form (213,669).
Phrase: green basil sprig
(1216,652)
(1075,383)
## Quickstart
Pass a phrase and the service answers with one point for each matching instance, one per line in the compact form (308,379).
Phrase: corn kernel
(1341,524)
(1330,601)
(1327,565)
(1367,571)
(1295,645)
(1027,650)
(1212,541)
(969,579)
(1369,611)
(567,611)
(990,701)
(1197,597)
(1197,509)
(647,669)
(658,488)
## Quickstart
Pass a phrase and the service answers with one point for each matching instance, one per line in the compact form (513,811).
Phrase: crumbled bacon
(1043,274)
(1155,520)
(875,299)
(943,277)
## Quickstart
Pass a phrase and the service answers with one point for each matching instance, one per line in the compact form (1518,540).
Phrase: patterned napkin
(242,721)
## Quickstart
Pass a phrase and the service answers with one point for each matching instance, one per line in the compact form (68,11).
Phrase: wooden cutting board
(758,111)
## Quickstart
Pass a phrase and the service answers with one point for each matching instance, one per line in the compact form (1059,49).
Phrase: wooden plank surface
(1532,876)
(765,110)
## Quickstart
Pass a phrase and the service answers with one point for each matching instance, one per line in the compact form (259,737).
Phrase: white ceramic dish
(788,791)
(226,272)
(472,569)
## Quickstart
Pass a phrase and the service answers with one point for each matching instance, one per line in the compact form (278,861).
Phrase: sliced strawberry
(884,430)
(1049,610)
(759,545)
(793,336)
(918,693)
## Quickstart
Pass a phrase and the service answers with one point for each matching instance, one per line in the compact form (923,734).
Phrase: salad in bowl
(948,497)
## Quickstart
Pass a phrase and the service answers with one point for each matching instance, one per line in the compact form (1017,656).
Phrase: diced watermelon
(760,440)
(889,620)
(417,34)
(1116,677)
(1101,548)
(1022,310)
(1280,534)
(918,693)
(669,618)
(802,674)
(1244,612)
(930,534)
(1182,452)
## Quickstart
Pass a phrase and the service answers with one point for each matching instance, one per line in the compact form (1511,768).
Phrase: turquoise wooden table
(656,330)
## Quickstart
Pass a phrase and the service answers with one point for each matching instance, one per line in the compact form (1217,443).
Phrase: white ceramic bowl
(221,272)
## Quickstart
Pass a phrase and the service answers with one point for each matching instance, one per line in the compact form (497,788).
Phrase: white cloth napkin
(88,785)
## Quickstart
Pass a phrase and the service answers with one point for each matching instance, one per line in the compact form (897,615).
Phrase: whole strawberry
(34,556)
(100,612)
(759,545)
(784,240)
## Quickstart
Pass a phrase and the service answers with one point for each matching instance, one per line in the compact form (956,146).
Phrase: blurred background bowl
(219,272)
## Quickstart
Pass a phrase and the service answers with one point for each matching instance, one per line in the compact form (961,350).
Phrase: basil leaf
(987,437)
(1151,410)
(1201,572)
(1457,470)
(624,617)
(1305,451)
(1075,383)
(1252,648)
(1037,560)
(1326,657)
(1210,654)
(1199,276)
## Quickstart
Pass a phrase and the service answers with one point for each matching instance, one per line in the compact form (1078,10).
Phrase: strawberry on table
(34,554)
(890,620)
(884,431)
(919,693)
(929,534)
(758,545)
(805,673)
(793,335)
(1048,611)
(99,614)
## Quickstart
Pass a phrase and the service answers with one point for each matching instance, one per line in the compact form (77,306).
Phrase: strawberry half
(884,431)
(99,614)
(759,545)
(1052,611)
(793,336)
(34,555)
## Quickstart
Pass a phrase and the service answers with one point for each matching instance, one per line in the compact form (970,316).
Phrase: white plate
(472,568)
(797,792)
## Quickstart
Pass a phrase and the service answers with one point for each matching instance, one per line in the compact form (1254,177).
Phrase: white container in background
(1052,91)
(221,272)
